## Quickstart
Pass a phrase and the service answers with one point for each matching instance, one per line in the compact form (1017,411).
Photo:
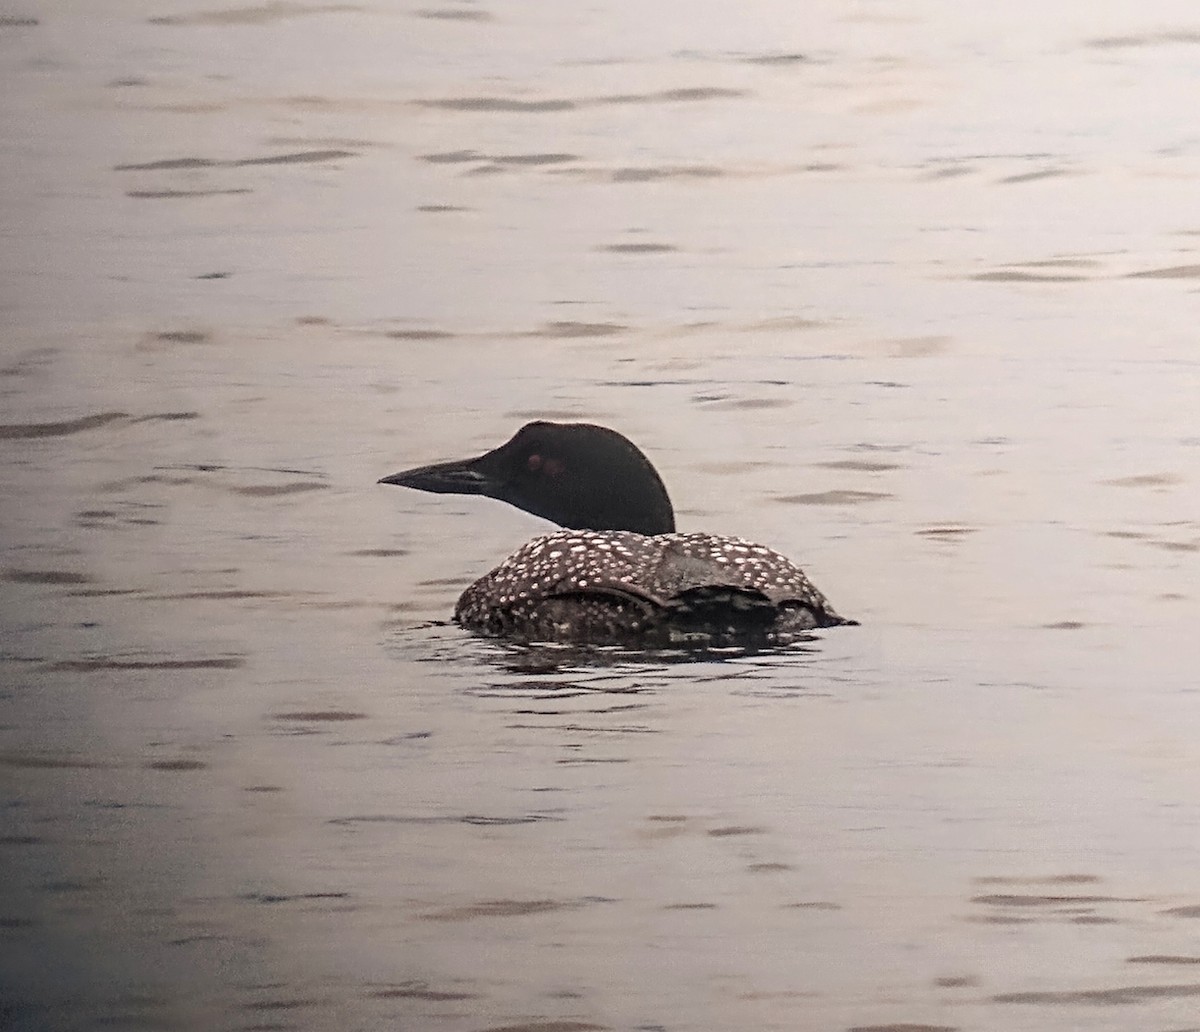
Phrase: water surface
(906,292)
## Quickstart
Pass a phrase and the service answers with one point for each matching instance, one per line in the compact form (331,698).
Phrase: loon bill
(619,574)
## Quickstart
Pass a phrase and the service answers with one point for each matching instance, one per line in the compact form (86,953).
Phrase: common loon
(620,574)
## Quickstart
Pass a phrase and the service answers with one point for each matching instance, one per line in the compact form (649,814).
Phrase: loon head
(577,475)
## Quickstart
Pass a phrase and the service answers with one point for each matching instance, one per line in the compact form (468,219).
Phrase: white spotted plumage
(595,585)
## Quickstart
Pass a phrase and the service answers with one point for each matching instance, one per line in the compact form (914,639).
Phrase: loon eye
(534,462)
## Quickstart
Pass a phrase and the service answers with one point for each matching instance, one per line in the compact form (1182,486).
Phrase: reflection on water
(905,293)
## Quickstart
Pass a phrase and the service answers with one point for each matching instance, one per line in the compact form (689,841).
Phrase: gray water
(907,291)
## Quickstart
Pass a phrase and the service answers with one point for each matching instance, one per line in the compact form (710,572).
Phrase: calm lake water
(906,290)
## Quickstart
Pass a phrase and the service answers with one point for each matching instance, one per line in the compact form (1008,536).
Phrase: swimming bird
(618,574)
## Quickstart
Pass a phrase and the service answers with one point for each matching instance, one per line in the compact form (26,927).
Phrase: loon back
(620,575)
(619,588)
